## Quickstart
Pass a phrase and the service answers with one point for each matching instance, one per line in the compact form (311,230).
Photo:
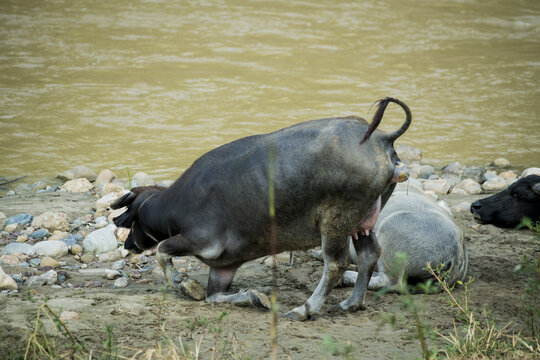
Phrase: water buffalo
(418,227)
(329,174)
(508,207)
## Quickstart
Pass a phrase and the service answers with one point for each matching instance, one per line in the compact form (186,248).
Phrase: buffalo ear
(125,200)
(536,188)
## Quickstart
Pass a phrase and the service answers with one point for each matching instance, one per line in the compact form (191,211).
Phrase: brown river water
(152,85)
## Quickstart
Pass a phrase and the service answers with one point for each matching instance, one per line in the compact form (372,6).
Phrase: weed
(334,348)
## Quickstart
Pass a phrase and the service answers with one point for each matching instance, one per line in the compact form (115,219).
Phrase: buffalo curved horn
(536,188)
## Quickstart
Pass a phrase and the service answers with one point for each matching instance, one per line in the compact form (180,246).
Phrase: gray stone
(530,171)
(118,265)
(473,173)
(105,177)
(440,186)
(52,221)
(494,184)
(121,282)
(38,186)
(70,240)
(6,281)
(52,248)
(17,277)
(101,272)
(2,219)
(35,262)
(454,168)
(101,222)
(469,186)
(39,234)
(464,206)
(15,247)
(101,241)
(49,278)
(143,179)
(425,171)
(20,219)
(78,172)
(501,162)
(112,274)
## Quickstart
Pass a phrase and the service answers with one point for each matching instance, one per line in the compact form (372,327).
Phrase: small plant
(424,330)
(329,346)
(129,178)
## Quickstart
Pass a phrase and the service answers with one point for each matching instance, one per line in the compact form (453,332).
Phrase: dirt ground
(134,311)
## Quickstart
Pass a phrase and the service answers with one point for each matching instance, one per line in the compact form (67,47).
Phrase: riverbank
(59,246)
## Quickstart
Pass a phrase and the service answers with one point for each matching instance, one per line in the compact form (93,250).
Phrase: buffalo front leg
(367,253)
(336,260)
(173,277)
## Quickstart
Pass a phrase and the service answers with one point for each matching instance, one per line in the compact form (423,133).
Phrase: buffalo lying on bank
(508,208)
(330,179)
(417,227)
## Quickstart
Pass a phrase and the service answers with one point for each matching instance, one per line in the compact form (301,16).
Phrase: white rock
(530,171)
(501,162)
(100,241)
(77,172)
(113,188)
(106,201)
(52,248)
(461,207)
(469,186)
(48,278)
(494,184)
(6,281)
(110,256)
(112,274)
(118,265)
(11,227)
(508,175)
(101,272)
(81,185)
(16,247)
(440,186)
(52,221)
(143,179)
(2,219)
(101,222)
(121,282)
(68,315)
(105,177)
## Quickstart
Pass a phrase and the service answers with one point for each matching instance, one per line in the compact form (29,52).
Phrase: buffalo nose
(475,206)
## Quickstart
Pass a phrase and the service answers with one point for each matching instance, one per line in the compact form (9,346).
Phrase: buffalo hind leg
(367,251)
(336,260)
(219,282)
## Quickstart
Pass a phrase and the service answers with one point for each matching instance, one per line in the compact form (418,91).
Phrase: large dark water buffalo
(331,178)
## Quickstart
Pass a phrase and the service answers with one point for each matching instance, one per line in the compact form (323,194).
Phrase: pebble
(39,234)
(58,235)
(122,234)
(13,259)
(77,172)
(101,241)
(99,272)
(20,219)
(113,188)
(49,278)
(469,187)
(101,222)
(121,282)
(110,256)
(143,179)
(70,240)
(139,259)
(38,186)
(49,261)
(76,249)
(440,186)
(15,247)
(52,221)
(501,162)
(21,238)
(78,186)
(11,228)
(494,184)
(118,265)
(87,258)
(112,274)
(35,262)
(464,206)
(68,315)
(454,168)
(105,177)
(530,171)
(425,171)
(508,175)
(106,201)
(52,248)
(473,173)
(6,281)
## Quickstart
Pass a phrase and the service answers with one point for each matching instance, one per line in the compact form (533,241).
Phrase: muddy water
(151,85)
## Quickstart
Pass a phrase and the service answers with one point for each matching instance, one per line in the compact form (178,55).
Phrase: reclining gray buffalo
(508,207)
(416,226)
(331,178)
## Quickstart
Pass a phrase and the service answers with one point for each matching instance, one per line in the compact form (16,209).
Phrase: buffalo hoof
(192,288)
(299,314)
(346,307)
(259,299)
(242,298)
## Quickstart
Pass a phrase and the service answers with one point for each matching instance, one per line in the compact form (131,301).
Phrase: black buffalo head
(507,208)
(138,238)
